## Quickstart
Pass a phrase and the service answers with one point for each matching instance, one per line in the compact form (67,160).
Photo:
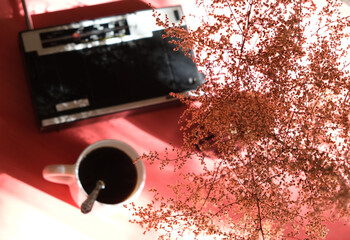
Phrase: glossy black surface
(108,75)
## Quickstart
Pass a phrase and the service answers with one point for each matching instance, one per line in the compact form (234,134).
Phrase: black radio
(105,65)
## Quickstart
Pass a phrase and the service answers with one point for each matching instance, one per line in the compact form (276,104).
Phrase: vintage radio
(102,66)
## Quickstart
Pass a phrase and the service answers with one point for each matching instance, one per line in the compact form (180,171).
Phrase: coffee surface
(114,168)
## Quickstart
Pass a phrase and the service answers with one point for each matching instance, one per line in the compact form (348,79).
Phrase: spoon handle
(86,206)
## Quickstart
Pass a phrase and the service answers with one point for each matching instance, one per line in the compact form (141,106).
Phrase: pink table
(31,207)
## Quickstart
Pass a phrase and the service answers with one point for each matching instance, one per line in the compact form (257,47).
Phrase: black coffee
(114,168)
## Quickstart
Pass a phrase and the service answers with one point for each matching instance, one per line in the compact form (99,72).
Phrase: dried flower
(269,127)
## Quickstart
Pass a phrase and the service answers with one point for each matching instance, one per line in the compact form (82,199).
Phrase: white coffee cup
(69,175)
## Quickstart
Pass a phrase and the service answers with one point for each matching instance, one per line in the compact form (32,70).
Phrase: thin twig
(229,6)
(260,219)
(211,185)
(247,25)
(328,24)
(258,204)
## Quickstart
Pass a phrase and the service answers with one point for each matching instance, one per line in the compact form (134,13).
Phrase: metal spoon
(86,206)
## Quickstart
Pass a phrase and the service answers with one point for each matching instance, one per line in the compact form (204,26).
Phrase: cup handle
(60,173)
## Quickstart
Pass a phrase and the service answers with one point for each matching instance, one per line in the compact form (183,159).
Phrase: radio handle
(27,16)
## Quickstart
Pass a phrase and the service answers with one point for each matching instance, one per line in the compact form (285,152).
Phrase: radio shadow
(162,122)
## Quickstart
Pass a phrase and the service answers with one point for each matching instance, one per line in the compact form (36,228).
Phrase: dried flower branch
(269,127)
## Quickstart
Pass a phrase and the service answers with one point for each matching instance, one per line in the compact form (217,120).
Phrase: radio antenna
(27,16)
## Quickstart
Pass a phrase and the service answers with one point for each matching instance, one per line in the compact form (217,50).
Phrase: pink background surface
(32,208)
